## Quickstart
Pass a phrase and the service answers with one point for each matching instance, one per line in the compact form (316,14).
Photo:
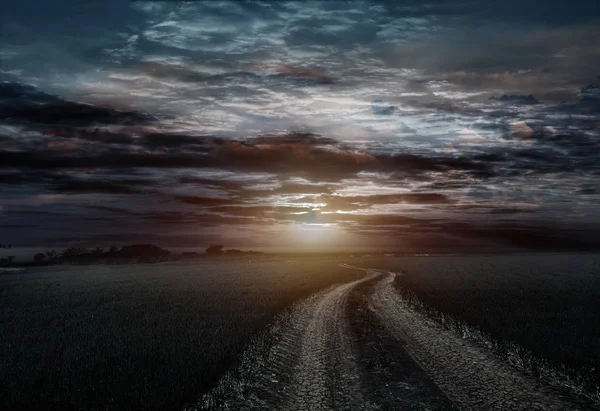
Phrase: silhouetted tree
(142,250)
(215,249)
(72,252)
(39,257)
(51,255)
(190,254)
(234,251)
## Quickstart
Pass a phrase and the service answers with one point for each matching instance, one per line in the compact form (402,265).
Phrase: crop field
(149,337)
(371,333)
(539,311)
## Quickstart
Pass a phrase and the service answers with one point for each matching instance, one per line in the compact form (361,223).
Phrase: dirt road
(356,346)
(326,377)
(473,378)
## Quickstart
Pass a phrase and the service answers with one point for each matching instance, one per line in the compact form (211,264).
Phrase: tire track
(390,377)
(470,376)
(326,376)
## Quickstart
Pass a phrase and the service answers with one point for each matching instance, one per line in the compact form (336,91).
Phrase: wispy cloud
(416,121)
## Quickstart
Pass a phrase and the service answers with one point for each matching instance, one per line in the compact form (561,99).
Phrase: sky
(339,125)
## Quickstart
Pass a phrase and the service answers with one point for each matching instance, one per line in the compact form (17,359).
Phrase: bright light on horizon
(307,235)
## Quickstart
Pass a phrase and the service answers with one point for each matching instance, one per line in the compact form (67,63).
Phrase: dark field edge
(579,384)
(237,381)
(249,377)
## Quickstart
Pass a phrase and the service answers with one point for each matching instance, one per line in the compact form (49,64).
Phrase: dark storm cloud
(64,183)
(137,135)
(491,209)
(16,226)
(309,139)
(212,212)
(432,122)
(230,210)
(183,218)
(509,56)
(109,158)
(243,207)
(293,156)
(109,187)
(25,177)
(259,211)
(207,201)
(284,72)
(23,103)
(159,140)
(203,220)
(244,189)
(302,157)
(411,163)
(291,188)
(517,99)
(346,203)
(572,152)
(395,222)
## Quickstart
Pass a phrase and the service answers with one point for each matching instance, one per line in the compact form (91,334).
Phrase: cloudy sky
(408,125)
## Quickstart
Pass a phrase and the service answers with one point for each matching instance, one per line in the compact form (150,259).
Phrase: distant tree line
(215,250)
(137,253)
(148,252)
(9,260)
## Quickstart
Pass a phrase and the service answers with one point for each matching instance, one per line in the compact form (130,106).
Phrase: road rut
(310,366)
(312,360)
(473,378)
(327,376)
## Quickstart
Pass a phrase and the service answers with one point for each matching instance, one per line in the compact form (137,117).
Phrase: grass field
(540,310)
(149,337)
(158,336)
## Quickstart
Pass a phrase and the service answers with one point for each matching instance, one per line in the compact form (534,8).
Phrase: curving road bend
(357,346)
(471,377)
(310,366)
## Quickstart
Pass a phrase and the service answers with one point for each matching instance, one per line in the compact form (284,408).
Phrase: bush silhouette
(215,249)
(39,257)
